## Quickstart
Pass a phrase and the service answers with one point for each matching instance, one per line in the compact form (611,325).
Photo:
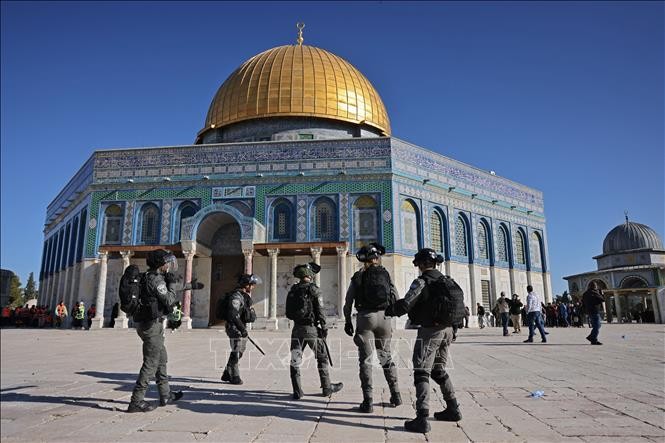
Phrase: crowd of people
(41,316)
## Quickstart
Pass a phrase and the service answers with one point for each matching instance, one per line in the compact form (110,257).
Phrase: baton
(255,345)
(325,345)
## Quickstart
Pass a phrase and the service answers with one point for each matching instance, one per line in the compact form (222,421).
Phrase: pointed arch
(410,225)
(520,247)
(149,223)
(365,221)
(484,235)
(112,227)
(462,237)
(283,226)
(502,244)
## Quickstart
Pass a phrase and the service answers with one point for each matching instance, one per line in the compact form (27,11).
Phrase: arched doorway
(221,233)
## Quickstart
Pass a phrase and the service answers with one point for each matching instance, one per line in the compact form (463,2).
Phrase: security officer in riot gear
(372,291)
(430,353)
(304,305)
(157,297)
(239,313)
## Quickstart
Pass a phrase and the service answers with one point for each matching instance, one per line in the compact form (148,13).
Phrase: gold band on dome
(297,81)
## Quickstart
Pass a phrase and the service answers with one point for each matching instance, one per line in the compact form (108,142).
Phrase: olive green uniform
(240,312)
(151,332)
(305,333)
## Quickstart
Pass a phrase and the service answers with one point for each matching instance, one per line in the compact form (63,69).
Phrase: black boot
(366,406)
(142,406)
(173,396)
(235,380)
(226,376)
(418,424)
(334,387)
(451,413)
(395,398)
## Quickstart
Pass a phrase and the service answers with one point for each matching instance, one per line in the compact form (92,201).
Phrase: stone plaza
(65,385)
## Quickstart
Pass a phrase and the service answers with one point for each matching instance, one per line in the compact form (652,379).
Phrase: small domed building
(295,162)
(631,273)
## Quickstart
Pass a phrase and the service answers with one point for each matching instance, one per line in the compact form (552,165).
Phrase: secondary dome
(297,81)
(629,236)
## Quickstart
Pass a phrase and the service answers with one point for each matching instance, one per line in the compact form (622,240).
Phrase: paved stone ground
(74,385)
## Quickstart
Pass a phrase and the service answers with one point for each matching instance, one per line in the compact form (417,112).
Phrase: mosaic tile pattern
(301,219)
(344,228)
(167,204)
(128,224)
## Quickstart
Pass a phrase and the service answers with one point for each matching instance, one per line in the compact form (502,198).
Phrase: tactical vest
(374,289)
(149,305)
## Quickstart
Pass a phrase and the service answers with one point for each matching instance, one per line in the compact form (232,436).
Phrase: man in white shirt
(533,315)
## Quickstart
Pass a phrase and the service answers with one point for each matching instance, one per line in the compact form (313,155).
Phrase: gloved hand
(244,333)
(396,309)
(323,332)
(348,328)
(170,278)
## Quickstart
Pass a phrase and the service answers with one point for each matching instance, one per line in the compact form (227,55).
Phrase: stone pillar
(98,321)
(513,288)
(341,278)
(272,305)
(121,321)
(187,295)
(316,257)
(617,306)
(474,292)
(249,259)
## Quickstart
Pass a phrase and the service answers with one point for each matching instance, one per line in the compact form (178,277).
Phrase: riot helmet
(248,279)
(427,255)
(306,270)
(370,252)
(160,257)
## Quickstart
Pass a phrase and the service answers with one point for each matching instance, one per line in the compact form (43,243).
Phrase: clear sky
(565,97)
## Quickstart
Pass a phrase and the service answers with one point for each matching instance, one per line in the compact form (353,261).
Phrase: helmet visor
(171,263)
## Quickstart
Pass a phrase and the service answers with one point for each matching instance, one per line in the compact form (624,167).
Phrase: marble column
(272,305)
(187,294)
(121,321)
(315,252)
(341,278)
(248,253)
(98,321)
(617,307)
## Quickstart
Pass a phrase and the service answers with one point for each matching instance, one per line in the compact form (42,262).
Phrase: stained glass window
(536,259)
(112,224)
(324,219)
(502,244)
(436,233)
(282,221)
(409,226)
(460,237)
(150,224)
(365,221)
(520,253)
(482,242)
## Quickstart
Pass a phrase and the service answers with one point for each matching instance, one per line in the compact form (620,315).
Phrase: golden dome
(297,80)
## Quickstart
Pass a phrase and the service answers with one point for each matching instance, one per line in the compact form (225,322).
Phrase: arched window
(410,234)
(282,220)
(536,251)
(502,244)
(461,237)
(520,251)
(112,225)
(365,221)
(185,210)
(483,241)
(436,232)
(149,224)
(323,216)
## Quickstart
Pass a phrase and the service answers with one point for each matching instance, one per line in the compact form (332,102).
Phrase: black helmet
(248,279)
(427,255)
(369,252)
(159,257)
(307,270)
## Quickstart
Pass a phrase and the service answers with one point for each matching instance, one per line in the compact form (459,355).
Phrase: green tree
(15,292)
(30,291)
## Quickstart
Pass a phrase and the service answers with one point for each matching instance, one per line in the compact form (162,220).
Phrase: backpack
(131,282)
(299,303)
(446,301)
(375,289)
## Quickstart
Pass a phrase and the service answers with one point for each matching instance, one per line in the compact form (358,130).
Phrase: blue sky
(565,97)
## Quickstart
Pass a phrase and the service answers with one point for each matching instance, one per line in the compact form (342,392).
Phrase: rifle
(255,345)
(325,345)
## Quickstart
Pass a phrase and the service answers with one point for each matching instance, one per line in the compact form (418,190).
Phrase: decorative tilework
(301,219)
(166,221)
(344,230)
(127,228)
